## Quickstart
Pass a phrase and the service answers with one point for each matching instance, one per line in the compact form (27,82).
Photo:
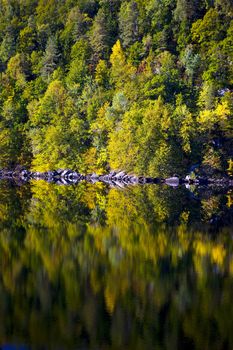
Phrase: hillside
(141,85)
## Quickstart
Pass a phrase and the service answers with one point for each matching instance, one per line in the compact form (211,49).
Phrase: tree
(163,80)
(28,38)
(121,71)
(76,26)
(99,36)
(102,74)
(207,31)
(78,68)
(50,59)
(58,136)
(7,48)
(191,62)
(18,69)
(124,144)
(161,27)
(128,23)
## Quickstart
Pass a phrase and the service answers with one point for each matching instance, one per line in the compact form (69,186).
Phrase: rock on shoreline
(120,178)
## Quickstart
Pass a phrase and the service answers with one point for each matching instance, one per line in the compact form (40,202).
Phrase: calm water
(87,267)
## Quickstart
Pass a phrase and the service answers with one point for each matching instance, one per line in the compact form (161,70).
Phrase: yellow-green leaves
(215,117)
(184,124)
(17,69)
(121,71)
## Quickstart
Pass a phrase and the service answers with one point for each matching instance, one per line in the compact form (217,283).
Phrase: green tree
(28,38)
(163,80)
(50,59)
(99,36)
(7,48)
(56,131)
(128,23)
(78,69)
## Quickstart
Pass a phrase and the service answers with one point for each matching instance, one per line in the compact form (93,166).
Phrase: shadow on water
(93,267)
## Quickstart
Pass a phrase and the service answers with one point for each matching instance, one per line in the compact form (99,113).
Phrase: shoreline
(68,176)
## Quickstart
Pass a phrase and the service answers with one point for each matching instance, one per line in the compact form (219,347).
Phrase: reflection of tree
(83,267)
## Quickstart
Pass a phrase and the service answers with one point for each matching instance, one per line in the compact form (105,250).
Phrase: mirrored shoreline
(93,267)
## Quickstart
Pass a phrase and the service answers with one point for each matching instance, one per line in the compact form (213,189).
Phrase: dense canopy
(140,85)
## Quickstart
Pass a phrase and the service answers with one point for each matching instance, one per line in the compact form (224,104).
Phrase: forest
(144,86)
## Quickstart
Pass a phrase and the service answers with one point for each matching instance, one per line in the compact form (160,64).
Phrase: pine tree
(7,48)
(50,59)
(128,23)
(99,38)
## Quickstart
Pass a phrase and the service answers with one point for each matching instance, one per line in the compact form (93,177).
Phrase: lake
(92,267)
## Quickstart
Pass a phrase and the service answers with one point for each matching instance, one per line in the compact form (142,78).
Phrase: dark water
(85,267)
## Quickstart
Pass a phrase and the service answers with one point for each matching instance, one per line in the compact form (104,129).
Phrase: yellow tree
(121,71)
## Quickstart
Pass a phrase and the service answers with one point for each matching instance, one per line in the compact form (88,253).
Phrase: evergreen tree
(50,59)
(99,39)
(128,23)
(7,48)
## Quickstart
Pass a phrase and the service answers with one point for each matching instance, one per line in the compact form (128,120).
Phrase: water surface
(88,267)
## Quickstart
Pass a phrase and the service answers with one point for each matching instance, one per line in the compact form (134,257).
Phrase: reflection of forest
(142,268)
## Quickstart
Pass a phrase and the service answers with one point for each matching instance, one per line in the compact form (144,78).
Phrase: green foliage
(128,23)
(7,48)
(77,23)
(28,39)
(50,59)
(109,62)
(56,132)
(99,36)
(78,68)
(102,74)
(191,62)
(164,80)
